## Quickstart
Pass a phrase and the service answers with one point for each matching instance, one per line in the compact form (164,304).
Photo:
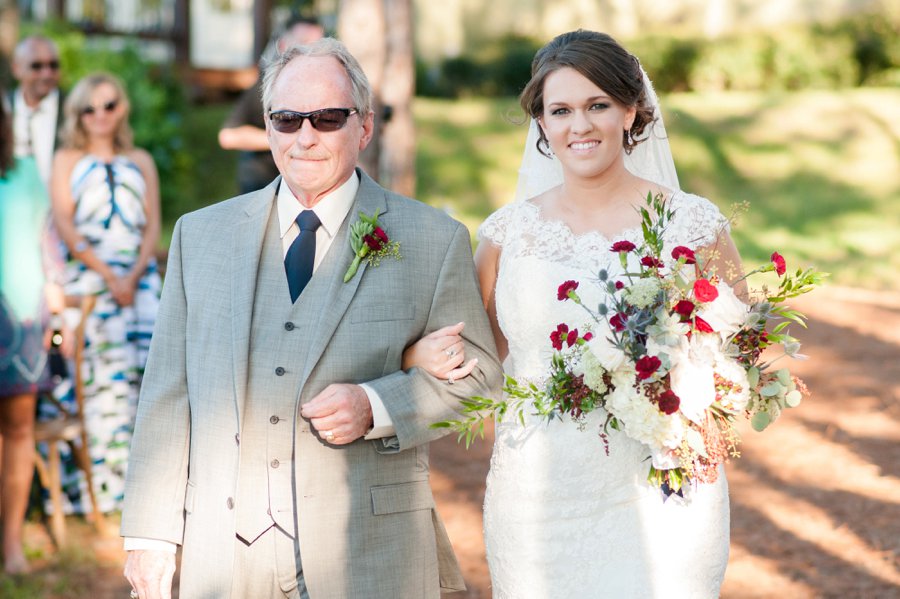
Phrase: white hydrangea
(641,419)
(642,293)
(592,371)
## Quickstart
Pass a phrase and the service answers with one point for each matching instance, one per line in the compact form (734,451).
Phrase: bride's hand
(441,354)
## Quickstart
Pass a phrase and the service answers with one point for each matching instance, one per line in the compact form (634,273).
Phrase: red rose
(646,366)
(374,244)
(559,336)
(617,322)
(684,308)
(778,261)
(669,402)
(562,294)
(622,246)
(380,234)
(686,253)
(651,262)
(619,285)
(702,326)
(572,337)
(588,336)
(705,291)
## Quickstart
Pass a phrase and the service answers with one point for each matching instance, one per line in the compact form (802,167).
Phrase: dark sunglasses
(326,119)
(107,107)
(53,65)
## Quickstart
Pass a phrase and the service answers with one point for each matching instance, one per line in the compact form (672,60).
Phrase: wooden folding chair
(69,428)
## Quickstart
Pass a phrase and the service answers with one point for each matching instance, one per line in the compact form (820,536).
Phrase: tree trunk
(398,140)
(362,27)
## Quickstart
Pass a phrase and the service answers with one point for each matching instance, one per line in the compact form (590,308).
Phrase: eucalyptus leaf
(760,421)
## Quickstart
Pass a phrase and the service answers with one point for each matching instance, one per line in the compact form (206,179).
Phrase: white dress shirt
(34,130)
(332,210)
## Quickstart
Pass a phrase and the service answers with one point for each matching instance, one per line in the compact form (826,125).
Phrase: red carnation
(669,402)
(646,366)
(778,261)
(617,322)
(622,246)
(562,294)
(702,326)
(619,285)
(686,253)
(588,336)
(559,336)
(705,291)
(380,234)
(651,262)
(572,337)
(684,308)
(374,244)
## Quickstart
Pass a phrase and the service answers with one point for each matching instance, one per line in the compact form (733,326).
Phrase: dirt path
(815,500)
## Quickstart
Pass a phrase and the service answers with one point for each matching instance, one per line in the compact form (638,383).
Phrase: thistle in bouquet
(671,353)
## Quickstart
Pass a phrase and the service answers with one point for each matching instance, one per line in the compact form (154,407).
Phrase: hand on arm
(441,354)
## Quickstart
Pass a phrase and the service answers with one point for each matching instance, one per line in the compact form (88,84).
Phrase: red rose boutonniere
(369,242)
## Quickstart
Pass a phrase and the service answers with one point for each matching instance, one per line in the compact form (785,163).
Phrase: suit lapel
(334,295)
(248,233)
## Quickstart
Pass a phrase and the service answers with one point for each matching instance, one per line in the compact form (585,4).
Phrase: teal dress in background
(24,210)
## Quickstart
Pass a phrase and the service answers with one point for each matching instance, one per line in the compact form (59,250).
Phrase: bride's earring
(629,141)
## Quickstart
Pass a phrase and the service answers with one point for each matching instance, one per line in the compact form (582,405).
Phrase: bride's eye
(559,111)
(600,106)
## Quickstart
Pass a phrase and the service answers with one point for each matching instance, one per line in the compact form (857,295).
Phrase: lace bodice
(562,517)
(538,254)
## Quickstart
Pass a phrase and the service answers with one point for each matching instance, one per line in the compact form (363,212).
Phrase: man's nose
(307,134)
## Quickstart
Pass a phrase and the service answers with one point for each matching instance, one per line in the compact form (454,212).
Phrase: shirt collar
(45,106)
(331,209)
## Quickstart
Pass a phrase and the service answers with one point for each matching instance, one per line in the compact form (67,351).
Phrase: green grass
(820,169)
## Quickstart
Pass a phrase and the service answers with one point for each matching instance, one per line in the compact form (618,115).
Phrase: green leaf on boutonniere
(369,242)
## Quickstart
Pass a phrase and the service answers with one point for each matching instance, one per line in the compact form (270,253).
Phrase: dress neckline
(562,225)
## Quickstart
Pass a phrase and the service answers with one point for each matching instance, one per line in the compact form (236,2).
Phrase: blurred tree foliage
(157,98)
(864,50)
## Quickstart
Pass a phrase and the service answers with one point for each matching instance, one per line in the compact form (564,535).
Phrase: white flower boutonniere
(369,242)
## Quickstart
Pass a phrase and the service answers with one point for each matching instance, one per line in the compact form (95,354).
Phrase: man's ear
(368,125)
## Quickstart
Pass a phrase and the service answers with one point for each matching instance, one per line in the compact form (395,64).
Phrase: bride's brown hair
(603,61)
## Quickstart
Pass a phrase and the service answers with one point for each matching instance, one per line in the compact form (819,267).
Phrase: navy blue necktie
(298,263)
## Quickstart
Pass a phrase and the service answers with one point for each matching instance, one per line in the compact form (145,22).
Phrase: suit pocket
(189,497)
(405,497)
(382,313)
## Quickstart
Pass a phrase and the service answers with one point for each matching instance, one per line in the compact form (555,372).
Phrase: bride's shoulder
(507,218)
(696,219)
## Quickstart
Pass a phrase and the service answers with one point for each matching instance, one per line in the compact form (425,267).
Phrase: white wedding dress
(562,519)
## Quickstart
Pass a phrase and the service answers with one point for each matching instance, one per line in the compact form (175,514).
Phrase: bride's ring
(449,380)
(329,435)
(450,352)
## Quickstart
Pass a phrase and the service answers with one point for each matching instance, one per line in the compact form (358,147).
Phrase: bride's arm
(725,261)
(487,263)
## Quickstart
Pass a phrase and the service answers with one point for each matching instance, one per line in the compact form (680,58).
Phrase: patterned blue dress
(110,215)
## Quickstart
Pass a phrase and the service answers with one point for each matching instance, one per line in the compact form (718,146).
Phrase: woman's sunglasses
(107,107)
(326,119)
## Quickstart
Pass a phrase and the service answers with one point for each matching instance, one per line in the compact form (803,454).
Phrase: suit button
(230,503)
(289,326)
(275,463)
(279,371)
(273,419)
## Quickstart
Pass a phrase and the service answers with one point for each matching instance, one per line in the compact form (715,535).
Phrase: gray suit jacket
(366,520)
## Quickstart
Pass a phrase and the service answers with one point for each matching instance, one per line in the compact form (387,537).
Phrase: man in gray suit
(278,441)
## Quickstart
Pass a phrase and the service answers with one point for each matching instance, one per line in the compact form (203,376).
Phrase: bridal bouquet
(673,355)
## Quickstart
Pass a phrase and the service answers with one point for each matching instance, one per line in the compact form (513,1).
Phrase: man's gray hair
(22,50)
(360,90)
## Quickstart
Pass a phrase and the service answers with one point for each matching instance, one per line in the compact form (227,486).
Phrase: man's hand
(150,573)
(341,413)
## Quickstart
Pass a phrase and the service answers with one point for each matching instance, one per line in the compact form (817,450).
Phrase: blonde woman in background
(105,198)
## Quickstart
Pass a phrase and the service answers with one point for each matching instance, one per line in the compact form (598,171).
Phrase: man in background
(245,128)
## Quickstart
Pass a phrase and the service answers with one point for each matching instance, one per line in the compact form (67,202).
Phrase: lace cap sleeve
(495,227)
(697,221)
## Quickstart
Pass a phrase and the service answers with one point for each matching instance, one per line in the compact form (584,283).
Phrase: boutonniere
(370,243)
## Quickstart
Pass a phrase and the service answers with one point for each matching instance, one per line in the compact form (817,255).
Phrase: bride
(562,517)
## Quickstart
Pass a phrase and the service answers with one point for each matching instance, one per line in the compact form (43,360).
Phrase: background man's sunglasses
(107,107)
(53,65)
(326,119)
